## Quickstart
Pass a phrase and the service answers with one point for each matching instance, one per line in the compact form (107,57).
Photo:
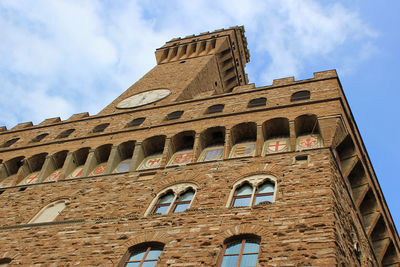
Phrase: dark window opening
(22,189)
(10,142)
(100,128)
(136,122)
(65,134)
(215,109)
(174,115)
(302,158)
(258,102)
(301,95)
(39,137)
(5,260)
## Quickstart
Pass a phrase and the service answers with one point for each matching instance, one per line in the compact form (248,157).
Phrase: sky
(63,57)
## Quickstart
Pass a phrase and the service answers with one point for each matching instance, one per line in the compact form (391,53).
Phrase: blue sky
(63,57)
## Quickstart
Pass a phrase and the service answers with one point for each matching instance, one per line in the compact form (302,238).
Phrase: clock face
(143,98)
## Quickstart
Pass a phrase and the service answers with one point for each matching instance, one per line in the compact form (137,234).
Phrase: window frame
(136,122)
(35,218)
(10,142)
(100,128)
(255,181)
(217,108)
(39,137)
(178,190)
(300,95)
(148,246)
(174,115)
(242,240)
(256,102)
(65,134)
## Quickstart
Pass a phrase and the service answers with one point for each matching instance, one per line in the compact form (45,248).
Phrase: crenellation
(79,116)
(22,125)
(50,121)
(283,81)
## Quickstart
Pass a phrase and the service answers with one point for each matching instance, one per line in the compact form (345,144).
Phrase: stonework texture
(328,209)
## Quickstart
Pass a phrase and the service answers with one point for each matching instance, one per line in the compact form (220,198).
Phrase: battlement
(237,89)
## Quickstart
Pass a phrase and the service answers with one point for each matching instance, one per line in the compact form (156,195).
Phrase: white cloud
(63,57)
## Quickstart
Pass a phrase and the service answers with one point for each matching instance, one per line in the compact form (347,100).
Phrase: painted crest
(276,146)
(211,153)
(100,169)
(308,142)
(243,150)
(53,176)
(181,158)
(123,166)
(77,172)
(30,179)
(150,162)
(9,181)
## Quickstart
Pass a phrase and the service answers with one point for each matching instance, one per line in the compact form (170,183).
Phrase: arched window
(39,137)
(50,212)
(215,109)
(240,252)
(144,255)
(136,122)
(174,115)
(301,95)
(252,191)
(242,197)
(65,133)
(10,142)
(173,199)
(100,128)
(258,102)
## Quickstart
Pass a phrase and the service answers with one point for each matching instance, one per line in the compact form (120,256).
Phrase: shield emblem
(9,181)
(243,150)
(308,142)
(276,146)
(30,179)
(100,169)
(151,162)
(123,166)
(181,158)
(53,176)
(77,172)
(211,153)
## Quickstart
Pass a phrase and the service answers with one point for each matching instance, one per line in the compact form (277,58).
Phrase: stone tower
(194,166)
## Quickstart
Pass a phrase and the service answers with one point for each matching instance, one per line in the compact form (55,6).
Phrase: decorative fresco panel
(9,181)
(99,169)
(150,162)
(181,158)
(32,178)
(243,150)
(308,142)
(53,176)
(77,172)
(276,146)
(211,153)
(123,166)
